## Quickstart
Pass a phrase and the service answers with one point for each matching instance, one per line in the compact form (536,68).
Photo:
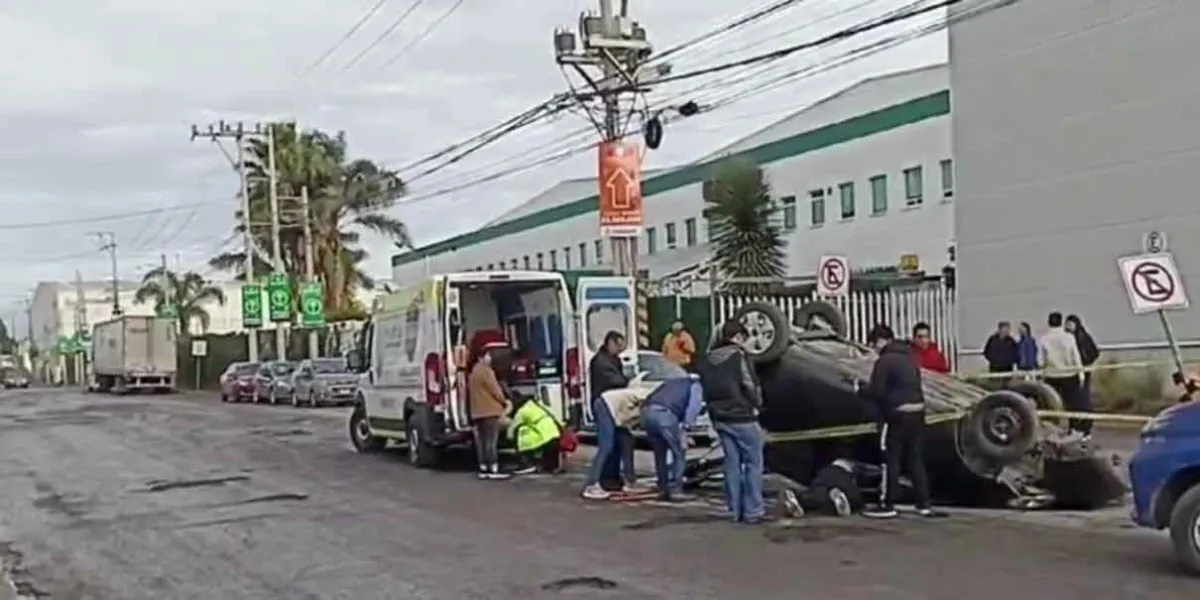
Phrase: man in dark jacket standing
(614,445)
(734,399)
(1001,349)
(896,388)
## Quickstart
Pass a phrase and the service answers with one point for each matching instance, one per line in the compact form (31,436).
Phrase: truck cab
(416,351)
(1164,473)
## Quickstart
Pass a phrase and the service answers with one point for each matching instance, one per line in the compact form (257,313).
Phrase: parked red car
(237,382)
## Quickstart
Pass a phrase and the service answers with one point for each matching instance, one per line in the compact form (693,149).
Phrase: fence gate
(899,308)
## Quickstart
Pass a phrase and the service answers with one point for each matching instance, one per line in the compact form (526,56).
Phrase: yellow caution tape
(845,431)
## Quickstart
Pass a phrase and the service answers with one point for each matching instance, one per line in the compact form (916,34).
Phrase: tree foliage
(188,292)
(746,232)
(347,197)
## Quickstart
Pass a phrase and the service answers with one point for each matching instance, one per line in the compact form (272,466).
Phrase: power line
(421,37)
(391,28)
(97,219)
(345,38)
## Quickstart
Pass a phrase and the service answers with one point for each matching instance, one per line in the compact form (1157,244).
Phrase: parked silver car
(321,381)
(274,381)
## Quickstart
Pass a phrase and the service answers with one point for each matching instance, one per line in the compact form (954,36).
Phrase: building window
(490,267)
(651,240)
(599,251)
(947,178)
(671,235)
(817,198)
(789,212)
(582,254)
(514,263)
(541,262)
(554,260)
(914,187)
(846,195)
(527,262)
(879,193)
(567,258)
(689,231)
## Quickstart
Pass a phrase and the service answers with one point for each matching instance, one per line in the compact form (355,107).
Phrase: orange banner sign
(620,190)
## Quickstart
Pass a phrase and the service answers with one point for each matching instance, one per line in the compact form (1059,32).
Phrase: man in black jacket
(734,399)
(612,466)
(896,388)
(1001,349)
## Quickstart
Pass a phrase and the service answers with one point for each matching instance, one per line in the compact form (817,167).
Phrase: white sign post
(1153,284)
(833,276)
(199,351)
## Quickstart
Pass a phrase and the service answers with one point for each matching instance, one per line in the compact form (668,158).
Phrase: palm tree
(746,235)
(186,293)
(346,198)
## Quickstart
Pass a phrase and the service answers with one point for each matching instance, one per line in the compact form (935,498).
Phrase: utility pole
(80,324)
(310,262)
(108,241)
(239,134)
(616,46)
(276,243)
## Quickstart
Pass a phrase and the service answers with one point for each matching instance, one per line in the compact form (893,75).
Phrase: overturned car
(983,447)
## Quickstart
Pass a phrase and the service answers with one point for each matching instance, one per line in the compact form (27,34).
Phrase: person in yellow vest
(536,432)
(678,345)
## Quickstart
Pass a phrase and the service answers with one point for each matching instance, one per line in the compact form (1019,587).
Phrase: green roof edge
(857,127)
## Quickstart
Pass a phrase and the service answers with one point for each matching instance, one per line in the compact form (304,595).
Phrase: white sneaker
(595,492)
(525,471)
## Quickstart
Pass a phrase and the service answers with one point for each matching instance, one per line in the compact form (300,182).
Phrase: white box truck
(134,353)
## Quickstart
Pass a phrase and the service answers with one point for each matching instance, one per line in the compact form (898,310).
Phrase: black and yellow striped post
(642,302)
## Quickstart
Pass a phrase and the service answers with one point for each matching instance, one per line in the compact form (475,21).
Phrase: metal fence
(900,308)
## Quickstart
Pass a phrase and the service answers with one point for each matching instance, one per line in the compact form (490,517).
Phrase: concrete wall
(1076,131)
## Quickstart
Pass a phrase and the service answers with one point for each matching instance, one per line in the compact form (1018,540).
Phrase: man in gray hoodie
(734,399)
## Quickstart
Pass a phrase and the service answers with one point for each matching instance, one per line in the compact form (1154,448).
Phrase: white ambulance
(414,354)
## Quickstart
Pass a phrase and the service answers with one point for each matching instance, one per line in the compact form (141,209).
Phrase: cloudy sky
(100,96)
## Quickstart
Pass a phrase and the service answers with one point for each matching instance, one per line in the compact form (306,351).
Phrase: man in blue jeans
(606,374)
(733,397)
(671,406)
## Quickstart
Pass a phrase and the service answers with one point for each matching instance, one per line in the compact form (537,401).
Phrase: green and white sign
(252,306)
(74,344)
(312,305)
(279,297)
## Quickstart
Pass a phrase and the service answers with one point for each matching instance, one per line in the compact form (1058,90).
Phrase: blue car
(1164,473)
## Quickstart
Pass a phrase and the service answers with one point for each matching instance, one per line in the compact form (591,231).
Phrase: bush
(1131,390)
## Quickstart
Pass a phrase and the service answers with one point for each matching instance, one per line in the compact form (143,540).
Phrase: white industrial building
(865,173)
(1075,136)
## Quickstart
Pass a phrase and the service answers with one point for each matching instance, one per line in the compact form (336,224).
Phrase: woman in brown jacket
(489,405)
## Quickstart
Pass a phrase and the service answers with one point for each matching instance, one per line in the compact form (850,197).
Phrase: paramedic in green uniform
(536,432)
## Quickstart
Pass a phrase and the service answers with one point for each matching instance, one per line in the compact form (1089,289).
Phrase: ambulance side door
(604,304)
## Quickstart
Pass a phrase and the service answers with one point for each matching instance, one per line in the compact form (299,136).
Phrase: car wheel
(420,452)
(767,328)
(818,314)
(1043,396)
(1185,529)
(360,432)
(1002,427)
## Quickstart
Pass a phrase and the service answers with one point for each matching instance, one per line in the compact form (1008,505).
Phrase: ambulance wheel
(360,432)
(421,453)
(1185,529)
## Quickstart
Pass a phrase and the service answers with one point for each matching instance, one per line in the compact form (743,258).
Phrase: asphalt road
(182,497)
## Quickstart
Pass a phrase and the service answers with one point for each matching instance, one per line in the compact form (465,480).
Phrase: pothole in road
(666,520)
(819,532)
(579,583)
(159,485)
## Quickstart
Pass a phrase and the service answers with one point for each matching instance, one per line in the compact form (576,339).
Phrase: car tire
(1185,529)
(1002,427)
(360,433)
(421,453)
(820,314)
(769,332)
(1044,397)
